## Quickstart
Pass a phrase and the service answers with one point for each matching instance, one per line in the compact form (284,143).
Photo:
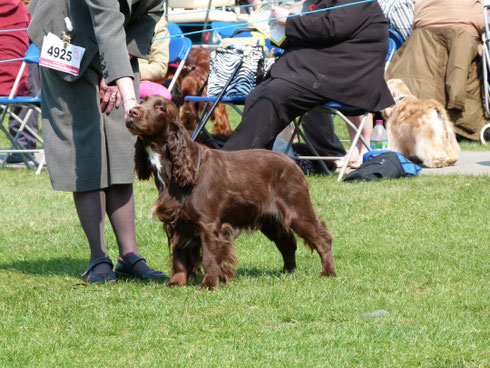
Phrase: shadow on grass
(64,266)
(258,272)
(55,266)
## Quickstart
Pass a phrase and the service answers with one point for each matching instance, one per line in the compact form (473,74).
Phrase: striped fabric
(224,61)
(399,14)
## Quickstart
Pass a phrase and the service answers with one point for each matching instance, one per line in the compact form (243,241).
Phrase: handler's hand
(278,13)
(128,104)
(109,97)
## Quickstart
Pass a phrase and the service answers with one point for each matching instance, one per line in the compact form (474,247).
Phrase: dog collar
(399,98)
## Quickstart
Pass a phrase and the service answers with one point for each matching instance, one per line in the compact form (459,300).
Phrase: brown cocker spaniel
(206,197)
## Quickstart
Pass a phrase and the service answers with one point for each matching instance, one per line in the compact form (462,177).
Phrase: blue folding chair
(174,30)
(396,37)
(391,52)
(7,104)
(225,29)
(179,49)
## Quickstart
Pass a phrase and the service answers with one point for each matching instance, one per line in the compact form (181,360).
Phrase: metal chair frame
(33,103)
(485,67)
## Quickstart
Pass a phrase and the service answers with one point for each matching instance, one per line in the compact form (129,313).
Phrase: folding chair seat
(179,49)
(210,104)
(7,105)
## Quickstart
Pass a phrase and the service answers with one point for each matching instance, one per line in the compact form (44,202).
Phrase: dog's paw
(178,279)
(209,282)
(328,273)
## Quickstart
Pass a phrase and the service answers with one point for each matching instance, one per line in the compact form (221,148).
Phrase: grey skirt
(85,149)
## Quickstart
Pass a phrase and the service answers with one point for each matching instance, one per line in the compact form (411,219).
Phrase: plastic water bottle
(379,137)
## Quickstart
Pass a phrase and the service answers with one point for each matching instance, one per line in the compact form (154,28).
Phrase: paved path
(469,163)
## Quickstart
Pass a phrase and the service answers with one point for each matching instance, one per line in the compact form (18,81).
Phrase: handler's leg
(120,209)
(91,212)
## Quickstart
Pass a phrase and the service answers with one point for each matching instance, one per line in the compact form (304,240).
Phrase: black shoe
(103,278)
(125,269)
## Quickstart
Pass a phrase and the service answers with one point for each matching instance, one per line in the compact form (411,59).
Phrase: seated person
(154,69)
(331,55)
(447,34)
(399,14)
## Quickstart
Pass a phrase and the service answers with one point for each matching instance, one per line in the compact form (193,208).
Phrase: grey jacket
(99,26)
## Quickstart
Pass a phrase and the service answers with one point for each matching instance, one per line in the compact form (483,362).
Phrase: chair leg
(358,131)
(17,147)
(41,164)
(297,131)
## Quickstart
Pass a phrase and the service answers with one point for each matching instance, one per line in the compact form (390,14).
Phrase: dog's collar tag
(399,98)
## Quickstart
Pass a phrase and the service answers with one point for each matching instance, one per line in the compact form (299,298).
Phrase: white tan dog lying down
(419,129)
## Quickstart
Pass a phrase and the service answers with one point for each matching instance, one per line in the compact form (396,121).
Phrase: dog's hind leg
(315,235)
(185,259)
(284,239)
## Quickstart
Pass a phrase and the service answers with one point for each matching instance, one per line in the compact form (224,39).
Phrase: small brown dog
(206,197)
(419,129)
(191,86)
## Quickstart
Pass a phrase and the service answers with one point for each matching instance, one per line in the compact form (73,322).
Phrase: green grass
(417,248)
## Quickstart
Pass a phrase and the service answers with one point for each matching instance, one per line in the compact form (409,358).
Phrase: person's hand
(109,97)
(279,13)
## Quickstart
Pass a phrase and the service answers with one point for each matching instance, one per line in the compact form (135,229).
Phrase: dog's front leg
(179,269)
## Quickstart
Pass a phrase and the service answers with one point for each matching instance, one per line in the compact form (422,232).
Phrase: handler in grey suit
(88,149)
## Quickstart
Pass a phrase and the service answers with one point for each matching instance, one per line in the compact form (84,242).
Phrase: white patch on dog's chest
(154,158)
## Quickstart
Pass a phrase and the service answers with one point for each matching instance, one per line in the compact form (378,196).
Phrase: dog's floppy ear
(386,113)
(142,163)
(178,143)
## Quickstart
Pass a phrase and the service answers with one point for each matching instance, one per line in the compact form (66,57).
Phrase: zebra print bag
(254,69)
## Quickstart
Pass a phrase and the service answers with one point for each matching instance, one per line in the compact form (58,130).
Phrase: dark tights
(118,202)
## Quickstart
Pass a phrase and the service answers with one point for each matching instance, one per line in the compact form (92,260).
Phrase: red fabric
(13,45)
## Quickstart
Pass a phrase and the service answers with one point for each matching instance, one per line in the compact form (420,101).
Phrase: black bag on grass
(384,166)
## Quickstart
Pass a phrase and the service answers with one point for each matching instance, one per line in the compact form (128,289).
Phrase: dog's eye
(160,108)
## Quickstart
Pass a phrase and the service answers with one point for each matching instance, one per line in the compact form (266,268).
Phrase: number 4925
(58,53)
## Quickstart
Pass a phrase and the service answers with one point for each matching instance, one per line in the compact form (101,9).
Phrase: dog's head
(398,89)
(152,118)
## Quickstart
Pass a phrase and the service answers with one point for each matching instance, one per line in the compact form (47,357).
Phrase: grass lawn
(412,257)
(415,248)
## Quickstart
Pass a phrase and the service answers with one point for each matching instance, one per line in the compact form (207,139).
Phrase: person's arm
(108,23)
(156,66)
(326,26)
